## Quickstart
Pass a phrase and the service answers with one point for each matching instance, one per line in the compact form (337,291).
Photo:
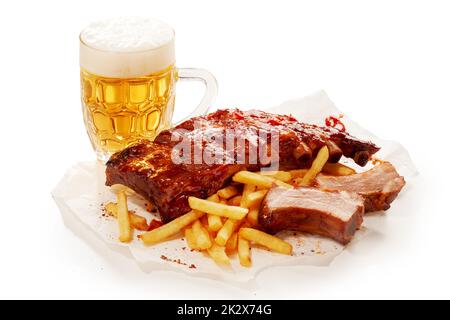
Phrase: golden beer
(120,112)
(128,77)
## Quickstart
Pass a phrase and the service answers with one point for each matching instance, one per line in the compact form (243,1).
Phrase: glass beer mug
(128,77)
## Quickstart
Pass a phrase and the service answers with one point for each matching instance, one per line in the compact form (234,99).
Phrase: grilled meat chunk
(336,215)
(378,186)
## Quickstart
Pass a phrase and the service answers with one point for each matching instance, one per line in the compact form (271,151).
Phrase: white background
(384,63)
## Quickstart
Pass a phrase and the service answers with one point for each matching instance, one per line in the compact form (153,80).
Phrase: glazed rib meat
(378,186)
(299,142)
(149,169)
(336,215)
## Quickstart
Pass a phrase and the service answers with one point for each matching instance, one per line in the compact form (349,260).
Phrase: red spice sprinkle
(336,123)
(105,213)
(178,261)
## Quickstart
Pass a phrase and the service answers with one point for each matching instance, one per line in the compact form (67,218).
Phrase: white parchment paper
(82,194)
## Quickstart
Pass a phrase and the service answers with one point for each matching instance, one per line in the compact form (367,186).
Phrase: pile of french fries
(227,222)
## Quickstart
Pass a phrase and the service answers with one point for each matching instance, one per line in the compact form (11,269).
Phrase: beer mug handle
(191,74)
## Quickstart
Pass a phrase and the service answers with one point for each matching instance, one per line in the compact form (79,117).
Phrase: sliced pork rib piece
(336,215)
(379,186)
(148,169)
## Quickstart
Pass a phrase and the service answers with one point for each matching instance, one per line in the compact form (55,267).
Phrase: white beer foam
(127,47)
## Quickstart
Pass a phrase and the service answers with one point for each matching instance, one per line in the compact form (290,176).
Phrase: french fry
(231,245)
(252,217)
(298,173)
(190,239)
(201,235)
(316,167)
(205,223)
(137,222)
(218,254)
(226,231)
(117,188)
(214,222)
(254,199)
(235,201)
(248,177)
(338,169)
(266,240)
(217,209)
(228,192)
(248,188)
(111,208)
(214,198)
(244,252)
(171,228)
(284,176)
(125,233)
